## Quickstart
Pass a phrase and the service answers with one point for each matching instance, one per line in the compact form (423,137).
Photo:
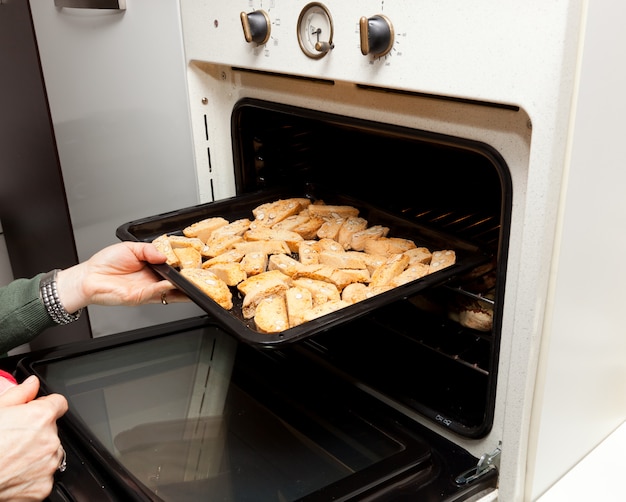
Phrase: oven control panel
(440,47)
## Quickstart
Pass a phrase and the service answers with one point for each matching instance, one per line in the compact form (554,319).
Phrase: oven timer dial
(315,30)
(377,35)
(256,26)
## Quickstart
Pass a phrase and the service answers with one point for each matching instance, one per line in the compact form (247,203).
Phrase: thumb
(20,394)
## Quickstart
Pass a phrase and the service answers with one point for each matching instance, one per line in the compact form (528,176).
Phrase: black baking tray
(468,256)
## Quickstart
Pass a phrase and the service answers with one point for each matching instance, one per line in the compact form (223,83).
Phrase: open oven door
(184,412)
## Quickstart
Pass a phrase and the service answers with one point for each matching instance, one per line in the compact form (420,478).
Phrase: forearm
(22,314)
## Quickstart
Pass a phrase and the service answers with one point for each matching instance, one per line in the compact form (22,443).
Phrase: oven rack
(478,226)
(437,334)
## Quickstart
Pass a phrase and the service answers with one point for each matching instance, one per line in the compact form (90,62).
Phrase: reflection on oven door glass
(169,412)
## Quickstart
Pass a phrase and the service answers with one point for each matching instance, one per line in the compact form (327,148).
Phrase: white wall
(583,396)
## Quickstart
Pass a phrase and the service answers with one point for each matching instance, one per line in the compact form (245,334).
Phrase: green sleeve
(22,313)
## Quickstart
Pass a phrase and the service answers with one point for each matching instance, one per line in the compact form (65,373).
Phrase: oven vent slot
(317,80)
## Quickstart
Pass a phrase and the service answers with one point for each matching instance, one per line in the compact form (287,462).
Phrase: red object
(8,376)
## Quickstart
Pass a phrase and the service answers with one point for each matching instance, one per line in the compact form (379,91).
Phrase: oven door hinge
(486,463)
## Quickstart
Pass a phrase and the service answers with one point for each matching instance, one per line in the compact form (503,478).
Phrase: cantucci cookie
(355,292)
(204,228)
(254,263)
(321,291)
(332,211)
(262,281)
(265,247)
(210,285)
(292,239)
(341,277)
(308,253)
(237,227)
(328,244)
(230,256)
(270,213)
(323,309)
(308,229)
(188,257)
(231,273)
(330,228)
(393,267)
(258,294)
(442,259)
(271,315)
(388,246)
(162,243)
(298,300)
(342,259)
(219,244)
(350,226)
(419,255)
(411,273)
(358,239)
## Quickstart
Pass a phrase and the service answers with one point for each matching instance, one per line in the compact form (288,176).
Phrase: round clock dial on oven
(315,30)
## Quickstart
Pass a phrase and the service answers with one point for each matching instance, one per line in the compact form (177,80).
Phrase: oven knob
(376,35)
(256,26)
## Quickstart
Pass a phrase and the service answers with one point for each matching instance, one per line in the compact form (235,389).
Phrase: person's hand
(117,275)
(30,446)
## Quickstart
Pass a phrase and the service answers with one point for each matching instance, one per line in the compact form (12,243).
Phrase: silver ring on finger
(63,464)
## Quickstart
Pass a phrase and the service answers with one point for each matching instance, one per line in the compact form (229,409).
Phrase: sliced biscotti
(308,253)
(323,309)
(188,257)
(292,239)
(419,255)
(265,247)
(358,239)
(270,213)
(328,211)
(230,256)
(299,300)
(231,273)
(270,315)
(348,259)
(264,280)
(204,228)
(350,226)
(330,228)
(210,285)
(321,291)
(284,263)
(442,259)
(388,246)
(410,274)
(162,243)
(254,263)
(393,267)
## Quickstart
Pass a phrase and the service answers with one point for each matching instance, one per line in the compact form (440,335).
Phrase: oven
(426,112)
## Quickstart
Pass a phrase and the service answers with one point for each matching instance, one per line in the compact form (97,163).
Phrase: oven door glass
(192,415)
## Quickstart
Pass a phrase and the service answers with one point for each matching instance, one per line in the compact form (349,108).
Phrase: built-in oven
(425,115)
(217,410)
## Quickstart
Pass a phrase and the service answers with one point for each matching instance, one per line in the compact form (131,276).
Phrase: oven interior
(417,352)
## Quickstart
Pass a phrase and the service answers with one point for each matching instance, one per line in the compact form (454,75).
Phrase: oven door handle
(92,4)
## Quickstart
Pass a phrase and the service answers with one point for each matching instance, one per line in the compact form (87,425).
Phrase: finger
(22,393)
(145,251)
(57,403)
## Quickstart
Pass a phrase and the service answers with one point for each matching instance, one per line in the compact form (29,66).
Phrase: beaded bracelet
(50,298)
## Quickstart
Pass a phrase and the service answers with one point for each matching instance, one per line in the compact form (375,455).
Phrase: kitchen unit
(498,124)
